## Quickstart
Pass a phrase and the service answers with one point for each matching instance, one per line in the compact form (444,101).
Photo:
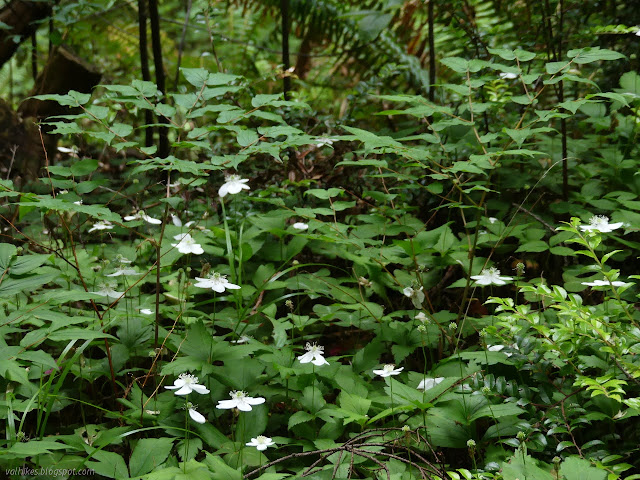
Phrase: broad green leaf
(593,54)
(7,252)
(456,64)
(148,454)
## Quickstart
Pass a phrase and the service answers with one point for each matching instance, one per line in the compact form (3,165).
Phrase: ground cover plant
(438,284)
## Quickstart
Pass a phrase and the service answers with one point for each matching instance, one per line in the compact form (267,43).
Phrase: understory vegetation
(347,277)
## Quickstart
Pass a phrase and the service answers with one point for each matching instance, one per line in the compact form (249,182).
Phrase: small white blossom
(300,226)
(242,339)
(152,412)
(241,401)
(108,290)
(322,141)
(429,383)
(605,283)
(187,383)
(421,317)
(102,225)
(492,220)
(233,184)
(388,370)
(508,76)
(79,202)
(261,442)
(498,348)
(143,216)
(315,355)
(490,276)
(638,33)
(187,244)
(123,270)
(146,311)
(416,296)
(72,151)
(600,223)
(216,282)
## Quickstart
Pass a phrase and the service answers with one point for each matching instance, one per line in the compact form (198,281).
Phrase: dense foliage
(368,276)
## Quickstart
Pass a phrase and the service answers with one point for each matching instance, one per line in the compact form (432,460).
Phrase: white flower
(300,226)
(187,383)
(605,283)
(493,219)
(490,276)
(187,244)
(233,184)
(102,225)
(152,412)
(421,317)
(261,442)
(242,339)
(314,355)
(122,270)
(498,348)
(600,223)
(416,296)
(638,33)
(194,414)
(79,202)
(428,383)
(322,141)
(508,76)
(72,150)
(388,370)
(146,311)
(144,217)
(216,282)
(107,290)
(241,401)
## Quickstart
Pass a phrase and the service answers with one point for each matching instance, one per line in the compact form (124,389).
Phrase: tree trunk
(23,19)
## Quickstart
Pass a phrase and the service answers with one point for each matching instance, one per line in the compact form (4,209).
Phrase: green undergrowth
(448,247)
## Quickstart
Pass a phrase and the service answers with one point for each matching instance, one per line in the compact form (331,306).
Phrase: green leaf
(195,76)
(456,64)
(299,417)
(33,448)
(84,167)
(11,286)
(593,54)
(108,464)
(148,454)
(7,252)
(221,471)
(576,468)
(522,466)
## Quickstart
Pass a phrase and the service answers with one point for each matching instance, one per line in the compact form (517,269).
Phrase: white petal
(244,406)
(201,389)
(196,416)
(306,358)
(254,400)
(224,189)
(319,360)
(185,390)
(226,404)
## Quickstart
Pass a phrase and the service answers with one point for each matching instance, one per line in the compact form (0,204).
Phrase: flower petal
(226,404)
(196,416)
(201,389)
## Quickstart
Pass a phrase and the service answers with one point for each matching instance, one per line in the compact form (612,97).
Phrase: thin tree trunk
(286,80)
(154,19)
(144,66)
(432,54)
